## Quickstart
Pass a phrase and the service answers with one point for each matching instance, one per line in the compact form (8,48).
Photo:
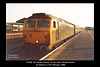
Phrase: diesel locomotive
(45,31)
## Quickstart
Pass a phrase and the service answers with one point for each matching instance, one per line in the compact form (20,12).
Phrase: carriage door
(57,31)
(56,26)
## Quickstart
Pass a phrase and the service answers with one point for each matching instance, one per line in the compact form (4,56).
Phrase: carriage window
(30,24)
(43,23)
(54,24)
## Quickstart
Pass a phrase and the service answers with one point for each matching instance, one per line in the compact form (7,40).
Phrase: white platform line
(57,48)
(91,35)
(14,34)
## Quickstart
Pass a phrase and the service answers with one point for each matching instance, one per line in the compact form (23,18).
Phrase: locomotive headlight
(37,41)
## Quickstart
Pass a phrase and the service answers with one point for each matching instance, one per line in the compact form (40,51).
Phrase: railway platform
(81,47)
(14,35)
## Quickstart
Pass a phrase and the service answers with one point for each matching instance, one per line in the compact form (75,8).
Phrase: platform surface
(80,48)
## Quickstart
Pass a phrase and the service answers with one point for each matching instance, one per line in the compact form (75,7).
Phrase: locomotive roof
(39,16)
(46,16)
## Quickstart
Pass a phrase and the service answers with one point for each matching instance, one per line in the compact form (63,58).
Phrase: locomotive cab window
(54,24)
(43,23)
(30,24)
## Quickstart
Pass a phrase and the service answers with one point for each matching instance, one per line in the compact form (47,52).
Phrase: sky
(81,14)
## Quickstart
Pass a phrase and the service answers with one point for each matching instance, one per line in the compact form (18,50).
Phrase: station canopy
(21,20)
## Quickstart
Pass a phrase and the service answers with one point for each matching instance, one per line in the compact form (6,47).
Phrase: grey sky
(81,14)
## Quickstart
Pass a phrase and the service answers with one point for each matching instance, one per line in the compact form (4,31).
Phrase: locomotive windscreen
(40,24)
(30,24)
(43,23)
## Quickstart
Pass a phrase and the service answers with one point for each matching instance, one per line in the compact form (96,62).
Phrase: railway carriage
(45,31)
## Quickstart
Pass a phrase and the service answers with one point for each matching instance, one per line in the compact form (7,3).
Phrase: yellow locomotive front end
(36,33)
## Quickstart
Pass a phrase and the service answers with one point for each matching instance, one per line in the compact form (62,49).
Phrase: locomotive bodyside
(59,31)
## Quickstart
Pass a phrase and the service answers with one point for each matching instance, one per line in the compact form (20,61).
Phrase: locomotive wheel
(44,48)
